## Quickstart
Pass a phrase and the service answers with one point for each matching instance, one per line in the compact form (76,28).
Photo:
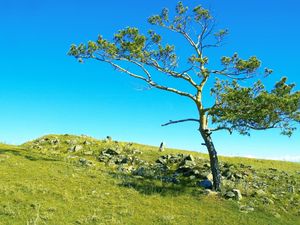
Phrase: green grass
(47,186)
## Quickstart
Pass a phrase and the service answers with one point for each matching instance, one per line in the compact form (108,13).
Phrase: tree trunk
(214,163)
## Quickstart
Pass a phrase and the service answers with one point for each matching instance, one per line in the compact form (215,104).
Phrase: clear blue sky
(43,91)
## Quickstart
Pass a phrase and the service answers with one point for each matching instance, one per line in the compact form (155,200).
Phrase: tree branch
(180,121)
(147,80)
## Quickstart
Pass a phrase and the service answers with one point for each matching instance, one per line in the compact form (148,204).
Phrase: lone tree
(234,108)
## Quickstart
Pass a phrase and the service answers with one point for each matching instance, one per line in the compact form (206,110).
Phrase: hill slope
(65,179)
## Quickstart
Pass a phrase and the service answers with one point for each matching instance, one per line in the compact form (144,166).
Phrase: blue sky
(43,91)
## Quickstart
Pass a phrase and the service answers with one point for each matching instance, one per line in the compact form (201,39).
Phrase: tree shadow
(14,152)
(24,154)
(152,185)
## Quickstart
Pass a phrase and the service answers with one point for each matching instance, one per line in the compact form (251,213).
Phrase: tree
(235,107)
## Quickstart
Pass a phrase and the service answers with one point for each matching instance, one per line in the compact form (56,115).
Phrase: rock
(238,175)
(54,141)
(188,172)
(108,138)
(192,177)
(209,192)
(246,208)
(143,172)
(161,160)
(122,160)
(125,168)
(75,148)
(190,158)
(206,175)
(86,142)
(226,173)
(187,164)
(162,147)
(267,201)
(210,177)
(273,169)
(237,194)
(110,151)
(291,189)
(174,159)
(85,162)
(88,153)
(207,165)
(103,158)
(260,193)
(227,165)
(229,194)
(228,184)
(207,184)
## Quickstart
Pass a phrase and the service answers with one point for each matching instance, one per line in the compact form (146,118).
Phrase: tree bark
(214,162)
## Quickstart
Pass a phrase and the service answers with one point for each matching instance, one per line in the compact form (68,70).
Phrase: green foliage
(201,13)
(235,65)
(244,108)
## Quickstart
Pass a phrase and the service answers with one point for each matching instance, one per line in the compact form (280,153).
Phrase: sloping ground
(64,179)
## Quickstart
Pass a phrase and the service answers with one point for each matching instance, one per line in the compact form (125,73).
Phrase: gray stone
(260,193)
(209,192)
(161,160)
(85,162)
(187,163)
(75,148)
(246,208)
(190,158)
(162,147)
(86,142)
(229,194)
(111,151)
(238,175)
(237,194)
(291,189)
(267,201)
(88,153)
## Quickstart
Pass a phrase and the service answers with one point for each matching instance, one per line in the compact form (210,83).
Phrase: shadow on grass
(23,154)
(152,186)
(14,152)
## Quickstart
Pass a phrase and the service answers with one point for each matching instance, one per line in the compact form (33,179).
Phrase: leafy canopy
(235,107)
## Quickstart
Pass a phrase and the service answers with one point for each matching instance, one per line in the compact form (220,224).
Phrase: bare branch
(221,128)
(180,121)
(233,75)
(184,75)
(147,80)
(186,36)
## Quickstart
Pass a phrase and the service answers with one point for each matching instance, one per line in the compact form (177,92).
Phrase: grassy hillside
(65,179)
